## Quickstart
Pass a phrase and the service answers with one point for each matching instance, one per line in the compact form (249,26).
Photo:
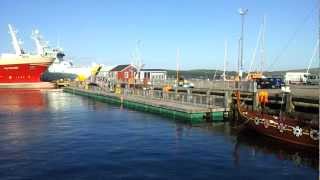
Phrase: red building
(123,73)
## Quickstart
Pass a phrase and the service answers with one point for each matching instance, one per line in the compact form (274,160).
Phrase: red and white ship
(22,67)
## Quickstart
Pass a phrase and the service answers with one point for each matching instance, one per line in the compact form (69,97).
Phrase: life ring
(297,131)
(256,121)
(281,127)
(314,134)
(266,123)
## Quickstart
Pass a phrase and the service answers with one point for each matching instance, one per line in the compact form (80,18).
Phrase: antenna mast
(242,13)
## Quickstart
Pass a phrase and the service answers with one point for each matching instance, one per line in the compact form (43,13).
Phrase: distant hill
(282,73)
(199,73)
(210,73)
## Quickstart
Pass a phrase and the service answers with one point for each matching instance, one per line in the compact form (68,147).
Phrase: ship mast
(15,42)
(40,44)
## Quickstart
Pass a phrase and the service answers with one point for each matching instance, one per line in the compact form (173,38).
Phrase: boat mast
(137,60)
(15,42)
(319,38)
(225,59)
(177,59)
(255,51)
(262,50)
(316,48)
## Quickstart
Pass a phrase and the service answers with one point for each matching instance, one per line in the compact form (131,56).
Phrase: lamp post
(242,13)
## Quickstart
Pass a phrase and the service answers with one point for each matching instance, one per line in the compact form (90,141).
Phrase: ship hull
(20,73)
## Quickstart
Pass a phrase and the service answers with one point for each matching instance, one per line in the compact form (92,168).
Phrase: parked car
(313,79)
(269,83)
(183,83)
(188,85)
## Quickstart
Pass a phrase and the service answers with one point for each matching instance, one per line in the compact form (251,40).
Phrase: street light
(242,13)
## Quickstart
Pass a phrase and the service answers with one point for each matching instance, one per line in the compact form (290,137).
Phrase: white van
(296,77)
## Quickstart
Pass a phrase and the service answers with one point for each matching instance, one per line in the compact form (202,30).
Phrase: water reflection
(16,100)
(264,145)
(258,144)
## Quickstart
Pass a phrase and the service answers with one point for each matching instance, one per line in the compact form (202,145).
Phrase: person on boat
(263,100)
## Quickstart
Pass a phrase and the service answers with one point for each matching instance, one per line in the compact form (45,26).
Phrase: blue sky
(106,31)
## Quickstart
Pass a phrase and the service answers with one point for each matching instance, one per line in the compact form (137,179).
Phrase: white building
(151,75)
(105,71)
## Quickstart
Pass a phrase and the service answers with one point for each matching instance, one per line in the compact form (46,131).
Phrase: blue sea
(55,135)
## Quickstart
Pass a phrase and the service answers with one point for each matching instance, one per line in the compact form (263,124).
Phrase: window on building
(126,75)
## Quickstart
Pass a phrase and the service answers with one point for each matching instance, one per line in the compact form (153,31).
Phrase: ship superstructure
(60,64)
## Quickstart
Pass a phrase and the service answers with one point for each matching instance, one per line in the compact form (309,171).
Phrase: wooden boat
(282,128)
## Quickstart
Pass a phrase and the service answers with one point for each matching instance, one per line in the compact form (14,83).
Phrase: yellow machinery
(94,70)
(254,75)
(167,88)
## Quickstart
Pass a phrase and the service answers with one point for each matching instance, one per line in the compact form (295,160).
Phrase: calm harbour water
(56,135)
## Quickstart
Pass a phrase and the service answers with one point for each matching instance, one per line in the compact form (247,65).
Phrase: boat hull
(20,73)
(282,130)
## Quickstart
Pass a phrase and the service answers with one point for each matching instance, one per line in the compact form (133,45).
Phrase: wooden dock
(201,104)
(189,112)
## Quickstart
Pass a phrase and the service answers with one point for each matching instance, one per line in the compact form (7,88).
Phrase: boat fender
(257,121)
(297,131)
(266,123)
(314,134)
(281,127)
(263,97)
